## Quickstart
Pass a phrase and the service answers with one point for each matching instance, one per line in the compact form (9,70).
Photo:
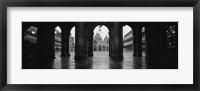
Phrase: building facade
(57,43)
(100,44)
(129,39)
(71,44)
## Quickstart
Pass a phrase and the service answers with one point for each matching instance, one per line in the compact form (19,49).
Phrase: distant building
(31,35)
(71,44)
(128,40)
(99,44)
(57,42)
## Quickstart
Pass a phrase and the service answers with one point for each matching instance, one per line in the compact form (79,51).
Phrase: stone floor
(100,60)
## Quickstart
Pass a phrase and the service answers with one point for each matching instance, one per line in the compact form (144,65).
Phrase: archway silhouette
(100,38)
(128,39)
(57,41)
(72,40)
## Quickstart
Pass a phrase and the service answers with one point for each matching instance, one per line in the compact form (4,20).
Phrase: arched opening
(57,46)
(100,39)
(72,41)
(100,43)
(128,39)
(128,46)
(64,46)
(134,43)
(57,41)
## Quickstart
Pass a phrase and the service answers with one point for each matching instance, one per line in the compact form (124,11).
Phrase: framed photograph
(91,45)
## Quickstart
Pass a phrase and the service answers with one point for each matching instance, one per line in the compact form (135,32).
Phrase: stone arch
(93,28)
(128,38)
(85,39)
(57,37)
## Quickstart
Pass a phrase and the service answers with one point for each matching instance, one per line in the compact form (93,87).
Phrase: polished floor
(100,60)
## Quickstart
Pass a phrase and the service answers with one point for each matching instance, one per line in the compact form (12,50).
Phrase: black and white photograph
(108,46)
(100,45)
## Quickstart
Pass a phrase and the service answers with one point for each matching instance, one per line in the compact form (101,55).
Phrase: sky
(103,31)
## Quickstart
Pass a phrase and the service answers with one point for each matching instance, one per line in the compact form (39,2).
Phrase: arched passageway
(156,41)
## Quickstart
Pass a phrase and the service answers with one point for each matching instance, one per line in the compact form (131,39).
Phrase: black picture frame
(98,3)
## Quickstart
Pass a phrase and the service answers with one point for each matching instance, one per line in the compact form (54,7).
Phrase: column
(152,45)
(90,46)
(152,35)
(63,43)
(46,40)
(65,40)
(81,42)
(117,41)
(137,39)
(90,41)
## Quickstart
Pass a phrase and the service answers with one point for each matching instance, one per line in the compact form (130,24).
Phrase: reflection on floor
(100,60)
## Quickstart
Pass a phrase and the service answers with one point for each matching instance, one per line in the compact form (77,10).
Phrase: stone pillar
(90,46)
(152,37)
(65,40)
(117,41)
(46,41)
(152,46)
(90,40)
(81,42)
(137,39)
